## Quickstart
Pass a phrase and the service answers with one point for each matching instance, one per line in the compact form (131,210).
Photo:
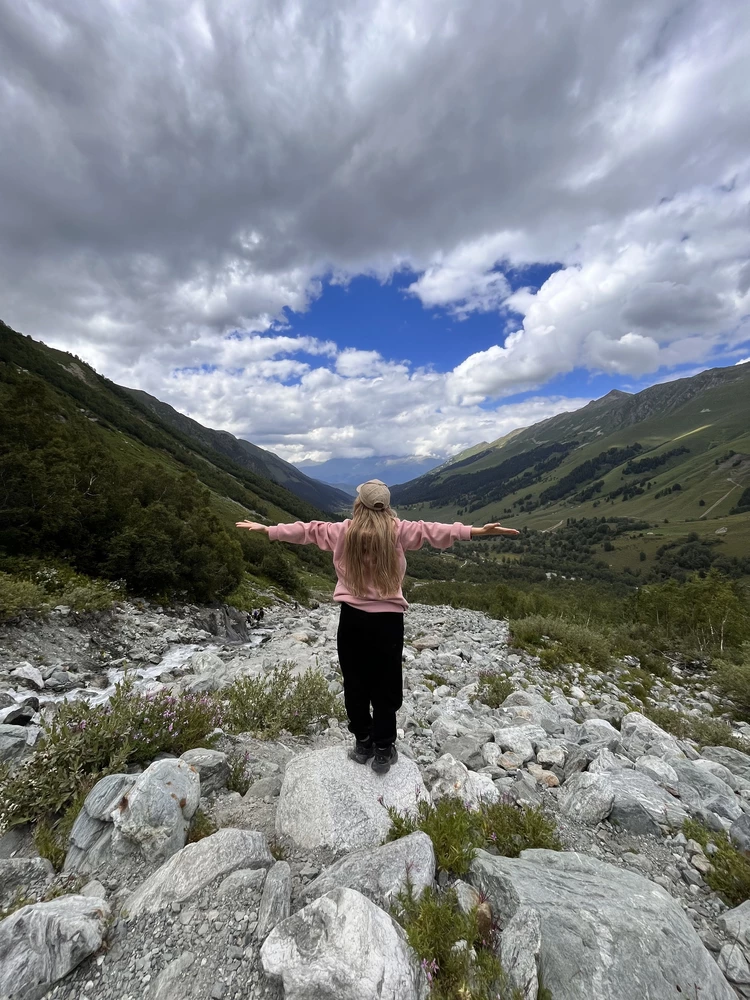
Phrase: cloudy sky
(348,228)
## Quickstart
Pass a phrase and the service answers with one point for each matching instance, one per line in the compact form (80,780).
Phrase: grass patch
(277,849)
(33,588)
(83,743)
(264,706)
(493,689)
(558,641)
(704,731)
(239,780)
(730,875)
(733,680)
(457,832)
(457,959)
(201,826)
(437,679)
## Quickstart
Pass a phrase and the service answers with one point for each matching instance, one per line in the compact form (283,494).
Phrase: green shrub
(266,705)
(730,874)
(277,849)
(436,679)
(733,680)
(493,689)
(703,731)
(239,780)
(435,926)
(456,831)
(201,826)
(83,743)
(19,596)
(558,641)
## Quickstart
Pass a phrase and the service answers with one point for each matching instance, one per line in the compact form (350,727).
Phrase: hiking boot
(362,751)
(384,757)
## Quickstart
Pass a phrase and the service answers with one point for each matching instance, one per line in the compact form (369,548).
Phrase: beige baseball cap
(374,494)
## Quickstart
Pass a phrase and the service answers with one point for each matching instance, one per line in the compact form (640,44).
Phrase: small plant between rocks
(239,780)
(457,831)
(264,706)
(730,869)
(83,743)
(493,689)
(201,826)
(456,956)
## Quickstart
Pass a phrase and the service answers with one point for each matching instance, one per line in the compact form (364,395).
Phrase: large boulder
(212,767)
(640,736)
(90,841)
(606,933)
(155,814)
(381,872)
(735,760)
(330,801)
(521,739)
(22,878)
(343,947)
(627,797)
(197,865)
(12,743)
(448,777)
(40,944)
(533,709)
(703,793)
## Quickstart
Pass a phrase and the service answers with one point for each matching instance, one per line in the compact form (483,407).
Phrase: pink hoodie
(330,537)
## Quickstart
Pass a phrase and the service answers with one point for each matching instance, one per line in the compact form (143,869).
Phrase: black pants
(370,645)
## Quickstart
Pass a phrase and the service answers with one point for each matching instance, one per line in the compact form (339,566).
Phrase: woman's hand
(252,526)
(493,529)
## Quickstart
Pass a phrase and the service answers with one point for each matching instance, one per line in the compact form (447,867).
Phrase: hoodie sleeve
(324,534)
(413,534)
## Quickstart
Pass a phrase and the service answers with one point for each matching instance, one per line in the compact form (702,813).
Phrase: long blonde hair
(369,557)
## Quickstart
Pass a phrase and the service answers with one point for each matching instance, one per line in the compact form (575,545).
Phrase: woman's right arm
(321,533)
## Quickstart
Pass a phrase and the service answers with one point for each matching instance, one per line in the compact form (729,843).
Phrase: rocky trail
(291,897)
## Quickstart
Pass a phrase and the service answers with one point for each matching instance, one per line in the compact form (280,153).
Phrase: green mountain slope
(248,456)
(680,451)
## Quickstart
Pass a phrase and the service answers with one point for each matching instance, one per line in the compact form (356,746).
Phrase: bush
(457,831)
(18,596)
(456,957)
(730,875)
(733,679)
(239,780)
(558,641)
(84,743)
(266,705)
(704,731)
(493,689)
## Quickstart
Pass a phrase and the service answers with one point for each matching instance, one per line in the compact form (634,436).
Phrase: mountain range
(677,451)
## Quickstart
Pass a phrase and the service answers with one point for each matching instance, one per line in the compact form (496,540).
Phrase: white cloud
(180,171)
(744,361)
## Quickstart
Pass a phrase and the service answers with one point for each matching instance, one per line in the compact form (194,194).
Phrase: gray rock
(449,777)
(733,964)
(467,896)
(23,877)
(739,831)
(736,923)
(107,794)
(658,770)
(197,865)
(736,761)
(275,902)
(534,709)
(28,675)
(12,743)
(212,767)
(157,810)
(605,761)
(523,739)
(381,872)
(587,798)
(342,947)
(607,933)
(467,749)
(270,786)
(642,806)
(720,771)
(598,731)
(245,881)
(328,800)
(640,736)
(40,944)
(171,983)
(520,945)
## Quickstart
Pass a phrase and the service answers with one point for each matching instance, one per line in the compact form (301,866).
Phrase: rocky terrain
(291,896)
